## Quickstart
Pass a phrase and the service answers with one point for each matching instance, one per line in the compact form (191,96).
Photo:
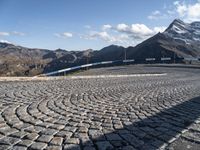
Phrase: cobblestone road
(153,112)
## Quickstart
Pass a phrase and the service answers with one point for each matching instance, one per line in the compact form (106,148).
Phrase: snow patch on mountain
(5,41)
(187,33)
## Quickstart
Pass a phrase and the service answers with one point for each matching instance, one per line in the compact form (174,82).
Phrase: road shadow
(147,133)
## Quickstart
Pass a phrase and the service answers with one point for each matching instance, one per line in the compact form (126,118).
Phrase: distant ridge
(180,39)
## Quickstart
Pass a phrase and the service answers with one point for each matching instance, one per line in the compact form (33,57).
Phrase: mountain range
(178,40)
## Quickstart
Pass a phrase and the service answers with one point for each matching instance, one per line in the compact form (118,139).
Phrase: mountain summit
(181,39)
(184,32)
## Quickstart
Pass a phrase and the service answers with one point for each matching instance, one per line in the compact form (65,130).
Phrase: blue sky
(84,24)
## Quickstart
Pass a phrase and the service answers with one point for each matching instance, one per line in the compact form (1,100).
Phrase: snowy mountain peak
(184,32)
(178,21)
(5,41)
(176,26)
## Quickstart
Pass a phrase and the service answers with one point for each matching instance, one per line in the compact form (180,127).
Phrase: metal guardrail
(112,62)
(83,66)
(165,58)
(77,67)
(192,59)
(150,59)
(129,60)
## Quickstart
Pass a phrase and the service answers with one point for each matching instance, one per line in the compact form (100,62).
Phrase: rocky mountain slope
(178,40)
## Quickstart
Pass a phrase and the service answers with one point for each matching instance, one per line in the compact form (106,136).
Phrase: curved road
(147,112)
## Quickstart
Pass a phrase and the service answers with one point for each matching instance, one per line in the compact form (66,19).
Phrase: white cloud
(123,34)
(189,12)
(176,3)
(141,29)
(180,8)
(119,39)
(159,29)
(184,10)
(151,17)
(170,12)
(122,27)
(155,15)
(106,27)
(64,35)
(12,33)
(156,12)
(138,31)
(87,27)
(100,35)
(4,33)
(17,33)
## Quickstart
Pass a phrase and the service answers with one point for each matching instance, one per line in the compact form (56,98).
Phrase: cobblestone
(125,113)
(104,145)
(38,146)
(56,141)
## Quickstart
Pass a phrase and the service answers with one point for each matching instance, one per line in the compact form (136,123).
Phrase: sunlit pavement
(128,112)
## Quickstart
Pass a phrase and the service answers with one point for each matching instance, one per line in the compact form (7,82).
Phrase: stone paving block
(25,143)
(89,148)
(44,138)
(31,136)
(72,141)
(72,147)
(56,141)
(1,136)
(9,140)
(104,145)
(53,147)
(49,131)
(19,134)
(19,148)
(113,137)
(128,148)
(38,146)
(7,130)
(4,147)
(83,129)
(64,133)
